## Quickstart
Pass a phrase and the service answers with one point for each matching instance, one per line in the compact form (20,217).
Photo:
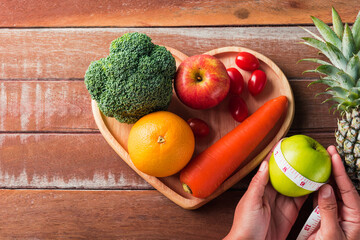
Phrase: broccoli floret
(133,80)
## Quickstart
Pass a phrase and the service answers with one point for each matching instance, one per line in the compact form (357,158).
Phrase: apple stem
(198,77)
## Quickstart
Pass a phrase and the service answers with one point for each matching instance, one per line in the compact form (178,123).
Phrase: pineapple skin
(348,144)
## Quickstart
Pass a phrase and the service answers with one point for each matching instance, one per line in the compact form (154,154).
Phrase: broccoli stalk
(133,80)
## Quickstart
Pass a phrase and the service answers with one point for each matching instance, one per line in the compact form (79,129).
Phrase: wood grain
(81,161)
(65,13)
(47,53)
(310,113)
(49,214)
(61,106)
(58,214)
(48,139)
(64,106)
(63,161)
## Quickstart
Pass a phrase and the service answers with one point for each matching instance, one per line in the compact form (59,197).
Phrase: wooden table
(58,176)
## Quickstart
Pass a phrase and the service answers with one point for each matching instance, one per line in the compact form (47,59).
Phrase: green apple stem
(186,188)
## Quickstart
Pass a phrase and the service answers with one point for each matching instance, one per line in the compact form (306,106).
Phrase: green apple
(307,157)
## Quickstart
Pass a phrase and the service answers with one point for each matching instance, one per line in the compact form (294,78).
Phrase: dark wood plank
(81,161)
(168,13)
(66,53)
(310,113)
(52,214)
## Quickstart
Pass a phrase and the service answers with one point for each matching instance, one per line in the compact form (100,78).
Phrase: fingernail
(262,166)
(326,191)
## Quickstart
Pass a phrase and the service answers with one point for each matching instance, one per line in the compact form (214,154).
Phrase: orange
(160,144)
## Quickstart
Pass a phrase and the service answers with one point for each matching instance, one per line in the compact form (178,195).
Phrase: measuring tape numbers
(310,225)
(314,219)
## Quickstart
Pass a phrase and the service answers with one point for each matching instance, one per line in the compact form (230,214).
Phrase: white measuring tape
(311,224)
(291,173)
(314,219)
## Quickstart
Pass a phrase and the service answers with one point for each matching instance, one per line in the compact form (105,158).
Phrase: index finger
(348,192)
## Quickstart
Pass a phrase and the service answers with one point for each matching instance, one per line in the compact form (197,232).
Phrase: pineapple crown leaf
(327,81)
(348,105)
(356,90)
(321,80)
(313,34)
(310,71)
(336,56)
(348,44)
(329,50)
(332,107)
(322,93)
(329,70)
(353,96)
(339,100)
(337,23)
(353,67)
(314,82)
(335,74)
(315,43)
(326,32)
(341,45)
(342,107)
(315,60)
(314,71)
(342,93)
(347,101)
(356,32)
(337,91)
(346,79)
(356,103)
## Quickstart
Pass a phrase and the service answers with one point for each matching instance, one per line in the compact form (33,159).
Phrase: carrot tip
(186,188)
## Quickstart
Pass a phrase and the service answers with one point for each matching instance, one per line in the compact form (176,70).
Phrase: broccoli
(133,80)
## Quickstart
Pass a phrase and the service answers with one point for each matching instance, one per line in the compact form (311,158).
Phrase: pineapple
(341,73)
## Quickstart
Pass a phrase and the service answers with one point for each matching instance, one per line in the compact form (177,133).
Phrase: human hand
(262,212)
(340,219)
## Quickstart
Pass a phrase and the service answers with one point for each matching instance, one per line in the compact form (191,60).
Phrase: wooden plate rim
(194,203)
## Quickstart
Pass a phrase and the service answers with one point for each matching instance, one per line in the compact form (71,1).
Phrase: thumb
(328,209)
(258,183)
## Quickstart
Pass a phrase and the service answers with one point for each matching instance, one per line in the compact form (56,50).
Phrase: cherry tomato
(238,108)
(236,80)
(247,61)
(199,127)
(256,82)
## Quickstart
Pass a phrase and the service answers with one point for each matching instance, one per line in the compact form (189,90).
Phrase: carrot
(207,171)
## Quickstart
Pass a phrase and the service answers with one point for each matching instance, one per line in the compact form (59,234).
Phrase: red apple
(201,81)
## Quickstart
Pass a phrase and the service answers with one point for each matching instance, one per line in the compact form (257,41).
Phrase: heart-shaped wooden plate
(219,120)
